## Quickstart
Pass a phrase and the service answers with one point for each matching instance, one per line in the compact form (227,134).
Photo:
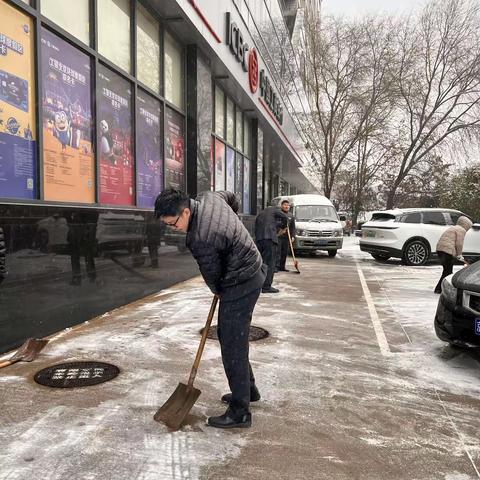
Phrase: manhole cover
(256,333)
(76,374)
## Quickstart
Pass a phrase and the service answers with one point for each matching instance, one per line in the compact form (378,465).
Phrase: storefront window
(247,132)
(230,165)
(174,149)
(230,122)
(114,131)
(68,160)
(239,180)
(18,163)
(219,165)
(114,31)
(219,112)
(246,186)
(149,149)
(148,49)
(71,16)
(173,71)
(239,131)
(260,171)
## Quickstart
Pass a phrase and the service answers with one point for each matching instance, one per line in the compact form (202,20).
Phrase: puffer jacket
(223,248)
(3,253)
(452,239)
(269,222)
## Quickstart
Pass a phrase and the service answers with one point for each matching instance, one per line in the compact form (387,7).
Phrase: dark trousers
(234,319)
(76,268)
(447,263)
(268,250)
(283,246)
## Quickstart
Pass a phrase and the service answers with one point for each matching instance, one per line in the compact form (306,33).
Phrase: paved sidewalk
(333,405)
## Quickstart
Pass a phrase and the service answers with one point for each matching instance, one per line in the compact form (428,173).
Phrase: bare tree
(349,76)
(437,78)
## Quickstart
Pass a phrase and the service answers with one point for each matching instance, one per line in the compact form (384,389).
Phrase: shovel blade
(174,411)
(296,266)
(29,350)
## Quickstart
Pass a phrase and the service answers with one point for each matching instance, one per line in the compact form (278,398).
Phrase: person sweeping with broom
(232,267)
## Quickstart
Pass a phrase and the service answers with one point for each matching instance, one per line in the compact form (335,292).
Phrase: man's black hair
(285,201)
(170,203)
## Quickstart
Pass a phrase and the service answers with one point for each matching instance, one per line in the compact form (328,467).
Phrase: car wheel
(380,258)
(332,253)
(416,253)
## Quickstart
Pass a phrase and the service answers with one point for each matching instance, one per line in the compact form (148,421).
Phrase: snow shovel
(295,261)
(27,352)
(176,408)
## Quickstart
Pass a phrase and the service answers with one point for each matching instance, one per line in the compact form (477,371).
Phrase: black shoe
(284,270)
(226,421)
(254,396)
(270,290)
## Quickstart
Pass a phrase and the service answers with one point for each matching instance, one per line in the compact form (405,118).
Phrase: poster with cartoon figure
(68,160)
(230,186)
(246,186)
(149,150)
(18,165)
(115,137)
(219,165)
(174,150)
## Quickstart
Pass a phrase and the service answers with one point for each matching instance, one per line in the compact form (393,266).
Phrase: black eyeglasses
(176,221)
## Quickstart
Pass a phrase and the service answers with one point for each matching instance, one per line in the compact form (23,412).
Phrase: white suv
(412,234)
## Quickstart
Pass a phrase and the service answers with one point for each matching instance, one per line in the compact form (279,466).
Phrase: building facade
(103,103)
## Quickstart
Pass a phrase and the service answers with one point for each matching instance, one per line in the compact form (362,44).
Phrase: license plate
(477,326)
(369,234)
(321,243)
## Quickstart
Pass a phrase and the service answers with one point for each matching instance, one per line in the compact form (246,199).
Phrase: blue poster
(149,150)
(18,165)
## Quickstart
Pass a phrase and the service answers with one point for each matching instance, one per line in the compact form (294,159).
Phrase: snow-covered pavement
(354,384)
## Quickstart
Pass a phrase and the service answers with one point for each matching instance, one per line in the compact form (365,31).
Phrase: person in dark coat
(283,242)
(232,267)
(3,253)
(268,224)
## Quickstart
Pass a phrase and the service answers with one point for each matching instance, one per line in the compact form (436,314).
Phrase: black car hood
(468,278)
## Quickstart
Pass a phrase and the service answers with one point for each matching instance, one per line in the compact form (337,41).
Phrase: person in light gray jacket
(450,246)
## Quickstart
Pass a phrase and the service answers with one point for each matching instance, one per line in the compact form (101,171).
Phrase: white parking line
(459,435)
(377,325)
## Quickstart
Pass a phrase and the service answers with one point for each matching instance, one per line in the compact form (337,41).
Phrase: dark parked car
(457,320)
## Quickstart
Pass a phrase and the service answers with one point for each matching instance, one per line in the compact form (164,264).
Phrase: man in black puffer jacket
(3,252)
(232,267)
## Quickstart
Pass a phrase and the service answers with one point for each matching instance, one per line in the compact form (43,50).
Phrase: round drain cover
(76,374)
(256,333)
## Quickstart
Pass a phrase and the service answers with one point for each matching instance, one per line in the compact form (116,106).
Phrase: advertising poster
(230,170)
(68,170)
(219,165)
(174,150)
(18,165)
(149,150)
(239,179)
(114,130)
(246,186)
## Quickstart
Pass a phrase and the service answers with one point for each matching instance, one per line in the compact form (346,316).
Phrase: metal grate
(76,374)
(256,333)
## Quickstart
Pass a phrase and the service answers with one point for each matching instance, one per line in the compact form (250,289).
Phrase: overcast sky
(362,7)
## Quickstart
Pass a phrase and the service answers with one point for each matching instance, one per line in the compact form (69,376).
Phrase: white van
(317,222)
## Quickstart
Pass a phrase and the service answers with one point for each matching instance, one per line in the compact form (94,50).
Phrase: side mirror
(343,218)
(476,226)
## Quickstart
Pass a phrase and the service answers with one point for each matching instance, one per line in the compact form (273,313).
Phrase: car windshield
(315,213)
(383,217)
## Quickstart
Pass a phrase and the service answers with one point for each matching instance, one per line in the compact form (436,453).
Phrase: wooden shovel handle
(291,246)
(6,363)
(196,363)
